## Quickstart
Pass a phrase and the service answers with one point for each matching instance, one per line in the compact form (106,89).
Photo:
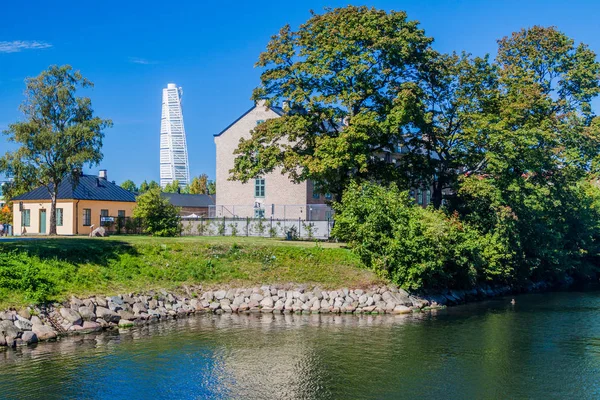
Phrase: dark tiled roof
(276,110)
(89,187)
(189,200)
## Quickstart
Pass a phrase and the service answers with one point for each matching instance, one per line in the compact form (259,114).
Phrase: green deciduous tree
(172,187)
(145,186)
(199,185)
(160,217)
(348,78)
(129,185)
(59,134)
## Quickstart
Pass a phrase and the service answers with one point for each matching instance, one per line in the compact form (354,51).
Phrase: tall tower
(174,163)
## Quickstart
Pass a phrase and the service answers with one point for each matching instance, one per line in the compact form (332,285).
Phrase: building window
(121,214)
(328,196)
(428,196)
(87,217)
(259,187)
(259,213)
(260,121)
(59,217)
(26,217)
(420,196)
(316,195)
(104,213)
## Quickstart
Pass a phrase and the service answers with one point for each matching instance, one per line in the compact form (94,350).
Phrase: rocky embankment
(49,322)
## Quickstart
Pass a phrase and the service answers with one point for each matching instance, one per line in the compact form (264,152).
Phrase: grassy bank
(35,270)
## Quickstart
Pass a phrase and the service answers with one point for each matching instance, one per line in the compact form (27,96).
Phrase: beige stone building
(271,195)
(93,202)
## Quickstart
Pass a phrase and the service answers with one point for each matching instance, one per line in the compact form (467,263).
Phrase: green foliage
(415,247)
(173,187)
(145,186)
(234,229)
(199,185)
(58,135)
(352,64)
(160,217)
(53,269)
(129,185)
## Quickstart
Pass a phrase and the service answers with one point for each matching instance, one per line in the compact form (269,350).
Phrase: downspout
(77,217)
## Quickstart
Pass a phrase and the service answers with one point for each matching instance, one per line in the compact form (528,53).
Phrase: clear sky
(131,49)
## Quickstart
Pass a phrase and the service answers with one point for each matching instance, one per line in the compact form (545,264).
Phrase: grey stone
(35,320)
(125,315)
(25,313)
(401,310)
(139,307)
(76,303)
(43,332)
(23,324)
(153,304)
(256,297)
(71,316)
(101,302)
(7,316)
(7,328)
(117,300)
(107,315)
(91,326)
(214,305)
(87,314)
(124,323)
(267,302)
(220,294)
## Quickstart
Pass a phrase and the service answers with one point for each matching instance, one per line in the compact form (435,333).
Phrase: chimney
(102,174)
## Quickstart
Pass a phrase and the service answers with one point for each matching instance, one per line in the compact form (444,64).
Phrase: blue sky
(132,49)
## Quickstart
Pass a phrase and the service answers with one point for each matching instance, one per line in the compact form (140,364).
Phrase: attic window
(260,121)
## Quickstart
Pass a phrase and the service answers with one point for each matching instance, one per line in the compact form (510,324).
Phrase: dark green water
(546,346)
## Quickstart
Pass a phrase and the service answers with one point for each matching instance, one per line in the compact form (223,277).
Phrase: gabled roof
(90,187)
(189,200)
(276,110)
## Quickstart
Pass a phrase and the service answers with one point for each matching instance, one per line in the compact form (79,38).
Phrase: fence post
(247,225)
(299,229)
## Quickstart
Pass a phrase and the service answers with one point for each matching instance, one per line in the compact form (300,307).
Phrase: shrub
(414,247)
(160,217)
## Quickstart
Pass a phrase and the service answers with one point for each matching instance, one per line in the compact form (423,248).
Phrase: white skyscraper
(174,163)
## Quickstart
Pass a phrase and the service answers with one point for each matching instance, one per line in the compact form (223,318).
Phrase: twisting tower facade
(174,163)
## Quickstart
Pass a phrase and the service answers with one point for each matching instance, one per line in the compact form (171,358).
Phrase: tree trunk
(53,196)
(437,195)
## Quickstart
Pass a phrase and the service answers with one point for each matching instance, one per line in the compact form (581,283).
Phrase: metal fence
(258,227)
(308,212)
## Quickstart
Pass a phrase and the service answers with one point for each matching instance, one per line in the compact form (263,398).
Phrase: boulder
(7,316)
(43,332)
(23,324)
(91,326)
(139,308)
(71,316)
(87,314)
(76,303)
(107,315)
(29,337)
(267,302)
(7,328)
(25,313)
(98,232)
(125,315)
(401,310)
(125,323)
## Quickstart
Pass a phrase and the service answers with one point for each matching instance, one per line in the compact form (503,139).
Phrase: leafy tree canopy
(348,79)
(58,136)
(129,185)
(159,217)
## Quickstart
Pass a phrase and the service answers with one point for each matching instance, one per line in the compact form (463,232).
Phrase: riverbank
(30,325)
(38,270)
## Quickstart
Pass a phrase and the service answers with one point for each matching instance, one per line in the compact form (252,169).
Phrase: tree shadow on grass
(72,250)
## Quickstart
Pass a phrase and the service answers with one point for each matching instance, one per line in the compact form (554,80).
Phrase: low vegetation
(489,238)
(38,270)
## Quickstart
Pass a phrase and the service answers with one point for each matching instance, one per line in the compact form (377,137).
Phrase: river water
(545,346)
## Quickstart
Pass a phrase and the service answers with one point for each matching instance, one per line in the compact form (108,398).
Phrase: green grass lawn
(39,269)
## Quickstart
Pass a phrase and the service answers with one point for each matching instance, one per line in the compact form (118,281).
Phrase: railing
(258,227)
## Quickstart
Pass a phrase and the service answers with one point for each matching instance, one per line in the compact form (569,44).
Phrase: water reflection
(486,350)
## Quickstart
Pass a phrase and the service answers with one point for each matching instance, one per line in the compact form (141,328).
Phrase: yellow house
(79,209)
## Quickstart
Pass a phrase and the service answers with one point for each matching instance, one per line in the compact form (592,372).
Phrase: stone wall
(39,323)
